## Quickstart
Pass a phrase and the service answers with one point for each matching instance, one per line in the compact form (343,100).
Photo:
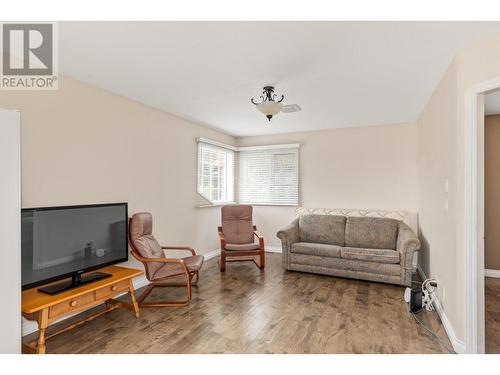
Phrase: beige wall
(492,192)
(365,167)
(441,133)
(83,145)
(437,163)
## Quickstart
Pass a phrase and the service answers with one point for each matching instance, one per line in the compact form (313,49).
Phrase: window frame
(236,175)
(273,150)
(229,174)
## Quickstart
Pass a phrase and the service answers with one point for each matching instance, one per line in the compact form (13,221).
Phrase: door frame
(474,214)
(10,230)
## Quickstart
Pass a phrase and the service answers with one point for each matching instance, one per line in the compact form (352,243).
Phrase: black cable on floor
(451,351)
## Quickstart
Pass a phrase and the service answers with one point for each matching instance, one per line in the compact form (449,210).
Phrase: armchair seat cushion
(316,249)
(193,264)
(370,255)
(242,246)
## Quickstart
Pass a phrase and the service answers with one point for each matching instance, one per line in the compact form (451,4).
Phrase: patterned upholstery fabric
(237,224)
(369,232)
(407,244)
(327,229)
(318,249)
(375,249)
(346,264)
(371,255)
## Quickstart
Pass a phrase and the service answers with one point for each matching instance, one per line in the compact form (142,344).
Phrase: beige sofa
(367,248)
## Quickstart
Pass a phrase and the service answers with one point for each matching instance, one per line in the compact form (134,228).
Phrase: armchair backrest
(141,236)
(237,224)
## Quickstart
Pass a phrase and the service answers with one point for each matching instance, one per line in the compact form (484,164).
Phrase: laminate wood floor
(492,311)
(247,310)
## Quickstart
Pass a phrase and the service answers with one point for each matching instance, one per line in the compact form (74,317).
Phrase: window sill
(215,204)
(273,204)
(251,204)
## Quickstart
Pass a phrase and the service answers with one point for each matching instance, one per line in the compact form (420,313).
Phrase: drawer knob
(113,288)
(73,303)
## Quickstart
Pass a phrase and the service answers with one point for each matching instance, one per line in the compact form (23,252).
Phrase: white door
(10,231)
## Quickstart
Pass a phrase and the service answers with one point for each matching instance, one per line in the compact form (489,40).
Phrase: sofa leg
(262,260)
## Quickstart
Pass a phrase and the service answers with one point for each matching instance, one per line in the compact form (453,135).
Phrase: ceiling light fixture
(269,105)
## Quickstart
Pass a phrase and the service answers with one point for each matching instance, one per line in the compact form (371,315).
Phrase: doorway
(492,222)
(474,214)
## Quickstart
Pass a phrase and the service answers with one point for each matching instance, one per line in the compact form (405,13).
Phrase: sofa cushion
(316,249)
(325,229)
(298,260)
(370,255)
(371,232)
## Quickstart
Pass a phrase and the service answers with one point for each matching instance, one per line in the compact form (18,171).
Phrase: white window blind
(215,172)
(269,176)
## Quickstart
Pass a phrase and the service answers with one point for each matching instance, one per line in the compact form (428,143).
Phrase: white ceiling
(492,103)
(342,74)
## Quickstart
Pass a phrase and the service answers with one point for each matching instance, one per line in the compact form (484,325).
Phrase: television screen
(58,242)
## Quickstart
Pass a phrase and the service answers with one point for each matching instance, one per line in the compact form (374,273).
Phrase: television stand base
(75,282)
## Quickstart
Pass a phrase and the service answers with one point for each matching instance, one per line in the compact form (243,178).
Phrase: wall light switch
(446,186)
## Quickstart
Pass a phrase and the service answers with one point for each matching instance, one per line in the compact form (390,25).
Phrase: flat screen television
(65,242)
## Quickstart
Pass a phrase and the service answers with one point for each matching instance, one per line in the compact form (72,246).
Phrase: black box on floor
(416,300)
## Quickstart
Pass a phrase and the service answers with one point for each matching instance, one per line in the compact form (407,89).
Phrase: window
(215,172)
(269,175)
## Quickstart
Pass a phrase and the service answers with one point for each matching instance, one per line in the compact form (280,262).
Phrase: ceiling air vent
(291,108)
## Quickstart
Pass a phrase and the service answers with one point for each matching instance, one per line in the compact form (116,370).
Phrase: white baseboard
(216,253)
(274,249)
(211,254)
(458,345)
(492,273)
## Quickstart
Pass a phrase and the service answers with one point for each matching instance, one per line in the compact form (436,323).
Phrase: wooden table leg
(135,307)
(43,322)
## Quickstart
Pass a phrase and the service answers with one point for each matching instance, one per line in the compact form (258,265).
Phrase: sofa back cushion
(371,232)
(328,229)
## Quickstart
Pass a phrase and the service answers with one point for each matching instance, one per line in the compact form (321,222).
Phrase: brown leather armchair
(160,269)
(237,242)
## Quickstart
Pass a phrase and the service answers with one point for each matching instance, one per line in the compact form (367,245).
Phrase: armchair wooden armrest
(161,260)
(157,260)
(187,248)
(222,239)
(257,235)
(261,239)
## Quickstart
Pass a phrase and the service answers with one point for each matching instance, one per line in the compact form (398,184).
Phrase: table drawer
(71,305)
(110,291)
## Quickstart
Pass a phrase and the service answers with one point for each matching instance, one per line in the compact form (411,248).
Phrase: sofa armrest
(289,234)
(407,244)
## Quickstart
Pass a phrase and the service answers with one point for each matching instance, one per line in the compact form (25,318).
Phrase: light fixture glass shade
(269,108)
